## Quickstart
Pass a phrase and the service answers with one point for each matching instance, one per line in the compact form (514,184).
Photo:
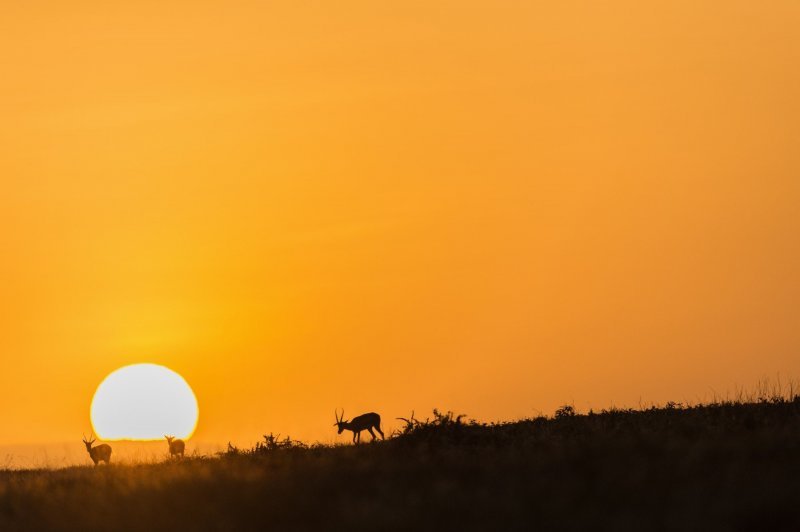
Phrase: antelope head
(169,438)
(89,442)
(340,422)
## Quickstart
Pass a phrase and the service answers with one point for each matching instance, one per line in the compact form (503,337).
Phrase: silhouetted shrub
(565,411)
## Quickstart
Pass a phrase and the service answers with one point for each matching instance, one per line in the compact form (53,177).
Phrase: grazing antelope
(98,453)
(362,422)
(176,447)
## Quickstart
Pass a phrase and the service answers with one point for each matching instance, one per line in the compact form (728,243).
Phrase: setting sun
(144,402)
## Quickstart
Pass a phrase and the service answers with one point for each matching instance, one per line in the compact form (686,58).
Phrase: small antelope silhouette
(176,447)
(98,453)
(363,422)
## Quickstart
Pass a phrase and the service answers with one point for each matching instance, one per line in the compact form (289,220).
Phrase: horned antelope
(359,423)
(176,447)
(98,453)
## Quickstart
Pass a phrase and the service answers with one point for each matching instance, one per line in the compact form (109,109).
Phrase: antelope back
(365,421)
(101,452)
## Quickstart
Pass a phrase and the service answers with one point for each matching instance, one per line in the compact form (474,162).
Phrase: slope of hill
(724,466)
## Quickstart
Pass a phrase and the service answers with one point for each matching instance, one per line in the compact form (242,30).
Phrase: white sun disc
(143,402)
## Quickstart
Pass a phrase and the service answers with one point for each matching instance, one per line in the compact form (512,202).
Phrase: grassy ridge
(727,466)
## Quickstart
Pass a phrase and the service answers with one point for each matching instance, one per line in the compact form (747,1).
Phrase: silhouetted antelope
(100,453)
(176,447)
(362,422)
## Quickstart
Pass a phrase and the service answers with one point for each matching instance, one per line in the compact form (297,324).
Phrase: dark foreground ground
(717,467)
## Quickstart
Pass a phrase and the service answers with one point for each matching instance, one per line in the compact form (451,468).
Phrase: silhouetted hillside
(727,466)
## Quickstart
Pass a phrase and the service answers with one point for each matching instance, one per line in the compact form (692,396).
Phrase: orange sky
(492,207)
